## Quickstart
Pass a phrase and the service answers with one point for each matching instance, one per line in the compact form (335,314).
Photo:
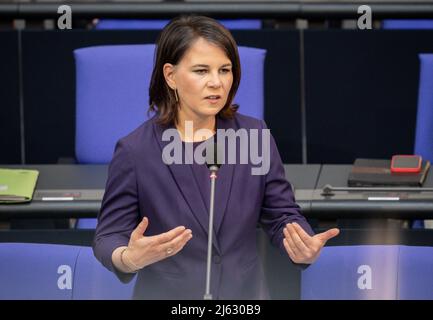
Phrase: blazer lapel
(183,175)
(224,181)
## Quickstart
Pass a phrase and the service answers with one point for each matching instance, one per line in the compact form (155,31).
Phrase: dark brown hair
(175,39)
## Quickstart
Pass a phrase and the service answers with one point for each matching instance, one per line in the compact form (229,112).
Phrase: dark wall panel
(49,86)
(9,99)
(282,87)
(361,92)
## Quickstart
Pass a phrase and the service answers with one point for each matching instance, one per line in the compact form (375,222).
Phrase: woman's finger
(306,238)
(138,232)
(169,235)
(291,244)
(289,250)
(297,240)
(175,245)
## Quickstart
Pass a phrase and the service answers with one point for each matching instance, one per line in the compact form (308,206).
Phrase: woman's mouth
(213,98)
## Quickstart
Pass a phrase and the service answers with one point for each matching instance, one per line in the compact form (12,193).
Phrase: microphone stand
(213,175)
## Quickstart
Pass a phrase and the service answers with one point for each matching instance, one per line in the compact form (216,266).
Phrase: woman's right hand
(143,251)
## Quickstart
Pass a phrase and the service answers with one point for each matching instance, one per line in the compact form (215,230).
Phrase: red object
(406,164)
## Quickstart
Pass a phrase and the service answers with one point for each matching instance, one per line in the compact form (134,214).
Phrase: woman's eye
(225,70)
(200,71)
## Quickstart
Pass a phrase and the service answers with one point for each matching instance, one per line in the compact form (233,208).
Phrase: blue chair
(352,273)
(131,24)
(110,81)
(415,273)
(56,272)
(86,223)
(424,122)
(36,271)
(424,127)
(93,281)
(402,24)
(112,96)
(424,119)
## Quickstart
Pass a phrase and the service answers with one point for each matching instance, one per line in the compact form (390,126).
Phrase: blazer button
(216,259)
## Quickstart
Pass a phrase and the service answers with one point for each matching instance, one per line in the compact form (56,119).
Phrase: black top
(201,174)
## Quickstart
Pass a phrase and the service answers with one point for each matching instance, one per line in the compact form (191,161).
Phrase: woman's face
(203,79)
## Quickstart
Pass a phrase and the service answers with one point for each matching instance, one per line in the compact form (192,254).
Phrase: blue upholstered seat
(353,273)
(56,272)
(407,24)
(415,273)
(424,119)
(157,24)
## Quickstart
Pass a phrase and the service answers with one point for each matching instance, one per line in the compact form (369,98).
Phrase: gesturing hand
(143,250)
(303,248)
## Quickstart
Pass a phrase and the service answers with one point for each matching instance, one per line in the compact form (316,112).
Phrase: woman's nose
(215,80)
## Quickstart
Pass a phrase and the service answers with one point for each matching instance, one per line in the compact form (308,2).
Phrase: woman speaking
(154,217)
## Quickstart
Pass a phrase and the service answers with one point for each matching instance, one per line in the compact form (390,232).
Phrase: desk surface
(371,204)
(83,186)
(64,176)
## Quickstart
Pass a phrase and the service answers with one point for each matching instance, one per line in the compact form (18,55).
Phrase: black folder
(377,172)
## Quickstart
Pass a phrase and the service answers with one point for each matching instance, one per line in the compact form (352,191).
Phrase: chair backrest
(415,273)
(93,281)
(56,272)
(352,272)
(151,24)
(37,271)
(86,223)
(111,97)
(403,24)
(424,120)
(112,94)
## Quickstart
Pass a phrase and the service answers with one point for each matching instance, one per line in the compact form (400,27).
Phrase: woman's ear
(168,70)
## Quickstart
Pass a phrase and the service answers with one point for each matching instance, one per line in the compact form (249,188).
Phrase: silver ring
(169,251)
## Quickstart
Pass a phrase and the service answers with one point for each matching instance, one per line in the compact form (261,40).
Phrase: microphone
(213,163)
(213,159)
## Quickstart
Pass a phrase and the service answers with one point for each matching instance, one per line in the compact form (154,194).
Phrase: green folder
(17,185)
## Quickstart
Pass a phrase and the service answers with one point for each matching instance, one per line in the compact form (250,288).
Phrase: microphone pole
(213,167)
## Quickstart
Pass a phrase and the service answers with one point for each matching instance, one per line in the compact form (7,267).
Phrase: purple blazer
(140,184)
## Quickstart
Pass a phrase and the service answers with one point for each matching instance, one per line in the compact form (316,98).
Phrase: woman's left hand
(303,248)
